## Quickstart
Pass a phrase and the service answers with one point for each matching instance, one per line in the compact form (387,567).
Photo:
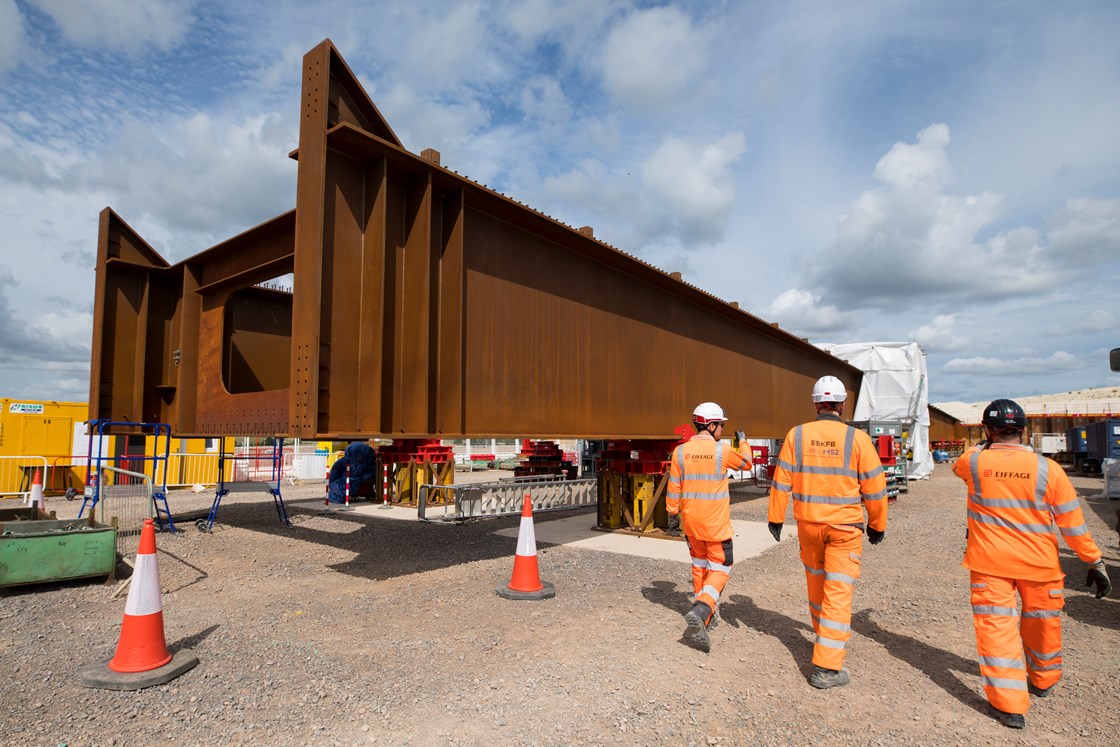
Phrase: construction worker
(1014,495)
(829,469)
(699,503)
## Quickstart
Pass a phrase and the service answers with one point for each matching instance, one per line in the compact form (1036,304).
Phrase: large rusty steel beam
(424,305)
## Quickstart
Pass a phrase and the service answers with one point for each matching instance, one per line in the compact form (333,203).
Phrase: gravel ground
(357,630)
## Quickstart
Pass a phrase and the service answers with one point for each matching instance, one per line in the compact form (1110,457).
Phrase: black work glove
(741,436)
(674,524)
(874,536)
(1098,577)
(775,528)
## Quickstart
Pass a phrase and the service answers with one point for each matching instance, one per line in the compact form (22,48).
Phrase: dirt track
(349,630)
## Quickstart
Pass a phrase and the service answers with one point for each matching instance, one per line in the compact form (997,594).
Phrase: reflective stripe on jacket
(832,472)
(698,486)
(1014,498)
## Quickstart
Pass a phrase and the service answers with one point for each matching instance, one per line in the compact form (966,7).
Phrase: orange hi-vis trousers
(831,557)
(711,569)
(1002,634)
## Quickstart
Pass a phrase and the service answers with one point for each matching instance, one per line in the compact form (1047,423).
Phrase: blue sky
(946,172)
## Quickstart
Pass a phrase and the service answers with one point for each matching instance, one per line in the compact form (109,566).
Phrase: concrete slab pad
(404,513)
(752,538)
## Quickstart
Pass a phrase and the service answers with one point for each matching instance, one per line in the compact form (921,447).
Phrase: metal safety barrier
(17,472)
(184,469)
(127,497)
(505,498)
(250,470)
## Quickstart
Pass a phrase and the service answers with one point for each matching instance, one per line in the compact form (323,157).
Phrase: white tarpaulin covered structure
(894,387)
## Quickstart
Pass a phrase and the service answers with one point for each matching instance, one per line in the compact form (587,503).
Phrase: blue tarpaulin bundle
(362,461)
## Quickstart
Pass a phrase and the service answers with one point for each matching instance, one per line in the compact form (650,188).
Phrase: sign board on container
(26,408)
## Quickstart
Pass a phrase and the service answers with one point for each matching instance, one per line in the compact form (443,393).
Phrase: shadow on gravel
(201,573)
(383,548)
(53,586)
(665,593)
(1100,613)
(1106,510)
(1081,605)
(740,609)
(191,641)
(737,610)
(937,664)
(746,491)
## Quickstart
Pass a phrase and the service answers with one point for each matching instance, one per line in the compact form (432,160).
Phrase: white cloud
(921,166)
(11,34)
(680,197)
(1099,320)
(543,101)
(121,25)
(803,313)
(284,66)
(57,340)
(1083,323)
(452,46)
(560,19)
(652,57)
(1058,361)
(908,240)
(422,122)
(693,184)
(62,388)
(939,336)
(590,190)
(1086,231)
(203,175)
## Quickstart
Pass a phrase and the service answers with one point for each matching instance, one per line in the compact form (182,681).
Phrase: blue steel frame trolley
(224,488)
(97,431)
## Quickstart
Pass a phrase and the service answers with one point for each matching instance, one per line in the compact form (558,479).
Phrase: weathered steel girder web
(424,305)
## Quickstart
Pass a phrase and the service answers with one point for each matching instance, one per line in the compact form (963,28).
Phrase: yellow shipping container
(48,430)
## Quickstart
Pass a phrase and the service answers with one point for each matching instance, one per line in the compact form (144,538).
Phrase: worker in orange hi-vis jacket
(1014,498)
(699,503)
(832,472)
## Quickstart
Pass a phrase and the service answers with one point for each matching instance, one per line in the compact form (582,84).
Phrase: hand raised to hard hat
(1098,577)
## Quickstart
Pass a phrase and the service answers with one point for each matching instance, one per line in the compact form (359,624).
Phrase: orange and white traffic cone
(142,646)
(526,581)
(35,499)
(142,658)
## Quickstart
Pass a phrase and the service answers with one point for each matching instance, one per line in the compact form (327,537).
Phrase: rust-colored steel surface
(945,427)
(423,305)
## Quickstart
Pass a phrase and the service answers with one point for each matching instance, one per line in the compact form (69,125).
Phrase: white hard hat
(829,389)
(708,412)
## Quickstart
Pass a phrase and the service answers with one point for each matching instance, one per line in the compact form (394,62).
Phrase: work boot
(1011,720)
(822,678)
(696,633)
(1041,692)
